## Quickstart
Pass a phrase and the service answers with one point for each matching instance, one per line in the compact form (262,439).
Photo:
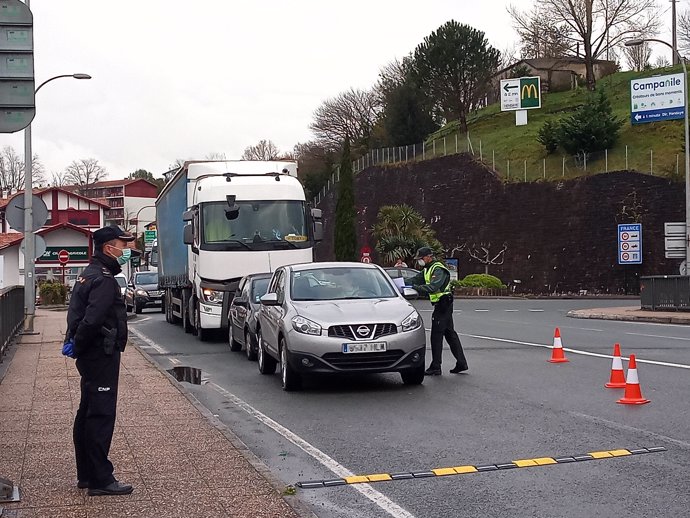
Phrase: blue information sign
(630,244)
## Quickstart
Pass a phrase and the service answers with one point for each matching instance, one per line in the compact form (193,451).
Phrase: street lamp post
(29,236)
(640,41)
(136,219)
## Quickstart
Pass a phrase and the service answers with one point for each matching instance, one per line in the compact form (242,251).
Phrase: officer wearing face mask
(97,332)
(435,281)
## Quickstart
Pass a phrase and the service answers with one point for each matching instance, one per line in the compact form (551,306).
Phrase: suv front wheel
(267,365)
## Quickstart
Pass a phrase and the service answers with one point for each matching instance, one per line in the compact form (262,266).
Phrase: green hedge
(53,292)
(479,280)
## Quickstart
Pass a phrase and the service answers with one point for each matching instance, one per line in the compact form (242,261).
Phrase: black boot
(458,369)
(432,371)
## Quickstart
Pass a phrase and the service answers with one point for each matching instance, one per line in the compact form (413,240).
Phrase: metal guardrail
(11,314)
(665,292)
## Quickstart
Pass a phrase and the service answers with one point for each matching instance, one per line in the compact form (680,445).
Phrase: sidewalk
(181,461)
(633,314)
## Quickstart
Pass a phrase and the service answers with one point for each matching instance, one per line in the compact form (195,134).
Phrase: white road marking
(575,351)
(627,428)
(175,361)
(148,341)
(366,490)
(140,319)
(658,336)
(536,310)
(511,310)
(481,310)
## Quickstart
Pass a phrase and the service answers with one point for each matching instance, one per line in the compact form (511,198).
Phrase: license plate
(364,347)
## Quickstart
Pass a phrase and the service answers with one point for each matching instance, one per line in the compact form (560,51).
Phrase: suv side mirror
(270,299)
(318,225)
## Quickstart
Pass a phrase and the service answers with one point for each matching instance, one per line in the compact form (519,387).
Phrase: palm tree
(399,231)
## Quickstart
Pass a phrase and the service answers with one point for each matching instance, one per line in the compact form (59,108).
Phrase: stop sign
(63,256)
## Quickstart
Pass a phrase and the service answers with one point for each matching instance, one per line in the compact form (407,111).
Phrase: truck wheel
(204,335)
(267,365)
(186,323)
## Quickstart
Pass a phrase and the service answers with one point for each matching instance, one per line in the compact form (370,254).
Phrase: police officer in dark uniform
(97,328)
(435,280)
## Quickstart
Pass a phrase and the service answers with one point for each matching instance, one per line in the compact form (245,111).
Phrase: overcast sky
(185,78)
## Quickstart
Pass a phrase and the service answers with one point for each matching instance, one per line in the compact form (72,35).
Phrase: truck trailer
(221,220)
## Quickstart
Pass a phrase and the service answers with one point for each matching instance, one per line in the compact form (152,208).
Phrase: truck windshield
(261,225)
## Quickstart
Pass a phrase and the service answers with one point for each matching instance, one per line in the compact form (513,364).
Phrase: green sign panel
(76,254)
(149,236)
(530,96)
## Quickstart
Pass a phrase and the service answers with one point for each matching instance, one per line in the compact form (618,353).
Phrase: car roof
(302,267)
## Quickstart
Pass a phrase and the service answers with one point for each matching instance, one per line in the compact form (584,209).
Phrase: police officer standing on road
(434,279)
(97,329)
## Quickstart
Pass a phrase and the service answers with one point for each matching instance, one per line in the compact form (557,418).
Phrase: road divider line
(467,469)
(338,469)
(574,351)
(659,336)
(147,341)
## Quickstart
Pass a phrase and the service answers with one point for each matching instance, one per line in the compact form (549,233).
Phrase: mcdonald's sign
(523,93)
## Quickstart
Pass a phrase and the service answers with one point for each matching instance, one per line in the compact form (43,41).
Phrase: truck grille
(362,331)
(382,360)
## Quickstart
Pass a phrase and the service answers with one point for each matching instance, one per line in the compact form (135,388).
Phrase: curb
(299,507)
(629,318)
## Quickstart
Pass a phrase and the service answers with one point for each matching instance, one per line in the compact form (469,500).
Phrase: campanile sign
(657,98)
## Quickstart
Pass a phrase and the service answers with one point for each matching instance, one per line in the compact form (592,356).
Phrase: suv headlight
(212,296)
(142,293)
(306,326)
(412,321)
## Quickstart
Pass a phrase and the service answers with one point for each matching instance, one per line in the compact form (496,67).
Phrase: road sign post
(630,244)
(657,98)
(17,96)
(520,94)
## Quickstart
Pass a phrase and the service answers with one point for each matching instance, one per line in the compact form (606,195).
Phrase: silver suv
(321,318)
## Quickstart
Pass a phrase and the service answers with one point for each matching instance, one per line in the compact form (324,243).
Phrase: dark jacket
(96,308)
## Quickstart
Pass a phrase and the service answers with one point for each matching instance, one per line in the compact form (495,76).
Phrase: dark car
(242,316)
(142,292)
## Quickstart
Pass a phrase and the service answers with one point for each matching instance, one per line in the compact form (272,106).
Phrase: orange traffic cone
(557,355)
(633,394)
(617,379)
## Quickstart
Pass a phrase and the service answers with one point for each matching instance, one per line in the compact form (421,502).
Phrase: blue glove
(68,349)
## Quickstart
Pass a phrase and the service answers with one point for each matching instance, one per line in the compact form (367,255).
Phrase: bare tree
(12,170)
(84,172)
(215,156)
(482,253)
(352,113)
(58,179)
(637,57)
(684,32)
(540,35)
(598,26)
(661,62)
(263,150)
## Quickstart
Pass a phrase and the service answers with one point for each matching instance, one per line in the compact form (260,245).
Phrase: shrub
(548,136)
(480,280)
(53,292)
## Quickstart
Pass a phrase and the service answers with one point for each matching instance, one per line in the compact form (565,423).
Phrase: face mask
(125,257)
(421,262)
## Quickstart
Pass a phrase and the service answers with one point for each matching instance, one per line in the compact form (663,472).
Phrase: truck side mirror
(188,235)
(188,215)
(318,225)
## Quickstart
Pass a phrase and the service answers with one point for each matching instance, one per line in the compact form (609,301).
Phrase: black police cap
(423,252)
(105,234)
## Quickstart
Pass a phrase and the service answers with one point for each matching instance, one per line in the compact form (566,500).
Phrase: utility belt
(445,300)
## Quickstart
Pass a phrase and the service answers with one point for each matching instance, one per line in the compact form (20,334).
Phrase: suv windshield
(260,225)
(146,278)
(340,283)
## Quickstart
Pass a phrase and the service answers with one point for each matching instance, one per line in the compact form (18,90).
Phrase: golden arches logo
(529,89)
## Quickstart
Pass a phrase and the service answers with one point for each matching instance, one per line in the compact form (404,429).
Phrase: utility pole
(674,41)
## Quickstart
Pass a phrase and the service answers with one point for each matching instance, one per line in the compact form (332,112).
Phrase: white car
(319,318)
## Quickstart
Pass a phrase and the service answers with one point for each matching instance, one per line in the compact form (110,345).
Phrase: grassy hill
(654,147)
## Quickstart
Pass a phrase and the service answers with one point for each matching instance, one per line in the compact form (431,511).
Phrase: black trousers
(95,419)
(442,327)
